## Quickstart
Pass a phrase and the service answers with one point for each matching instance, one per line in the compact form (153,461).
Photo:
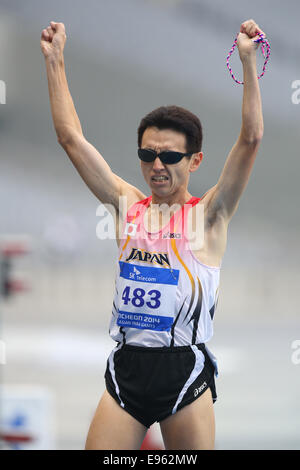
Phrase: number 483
(138,295)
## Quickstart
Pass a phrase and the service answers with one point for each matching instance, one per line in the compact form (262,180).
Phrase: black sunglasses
(167,157)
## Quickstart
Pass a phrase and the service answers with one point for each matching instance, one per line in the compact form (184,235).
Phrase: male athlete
(166,286)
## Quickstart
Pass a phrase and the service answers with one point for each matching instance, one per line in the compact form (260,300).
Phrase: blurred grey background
(124,58)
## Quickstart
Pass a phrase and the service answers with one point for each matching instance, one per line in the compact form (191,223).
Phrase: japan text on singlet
(164,296)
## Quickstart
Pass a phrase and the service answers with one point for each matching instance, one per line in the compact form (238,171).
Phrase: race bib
(147,297)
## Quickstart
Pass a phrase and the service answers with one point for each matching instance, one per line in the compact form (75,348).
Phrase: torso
(166,292)
(213,227)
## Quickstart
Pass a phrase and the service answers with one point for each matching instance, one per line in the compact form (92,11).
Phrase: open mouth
(159,179)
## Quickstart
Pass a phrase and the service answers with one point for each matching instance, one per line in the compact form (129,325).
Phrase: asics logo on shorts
(199,389)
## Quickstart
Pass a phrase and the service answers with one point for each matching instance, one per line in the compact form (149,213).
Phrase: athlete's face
(175,176)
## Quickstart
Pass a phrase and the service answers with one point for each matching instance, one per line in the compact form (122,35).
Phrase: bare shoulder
(207,197)
(130,195)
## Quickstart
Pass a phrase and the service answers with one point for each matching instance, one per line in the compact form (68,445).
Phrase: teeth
(159,178)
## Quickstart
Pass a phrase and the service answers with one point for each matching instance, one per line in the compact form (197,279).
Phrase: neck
(170,199)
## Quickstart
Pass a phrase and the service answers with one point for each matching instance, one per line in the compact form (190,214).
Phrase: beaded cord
(264,44)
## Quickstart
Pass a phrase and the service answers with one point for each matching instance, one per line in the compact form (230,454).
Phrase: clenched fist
(53,40)
(249,31)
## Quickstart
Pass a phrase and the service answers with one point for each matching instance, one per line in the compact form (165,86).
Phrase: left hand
(248,32)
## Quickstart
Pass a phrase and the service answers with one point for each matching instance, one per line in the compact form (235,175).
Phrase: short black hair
(178,119)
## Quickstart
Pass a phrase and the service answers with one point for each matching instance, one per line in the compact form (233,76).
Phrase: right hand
(53,40)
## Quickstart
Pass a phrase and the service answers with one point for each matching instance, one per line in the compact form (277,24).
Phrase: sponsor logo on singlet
(172,235)
(148,274)
(152,257)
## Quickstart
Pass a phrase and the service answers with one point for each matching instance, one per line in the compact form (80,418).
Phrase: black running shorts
(153,383)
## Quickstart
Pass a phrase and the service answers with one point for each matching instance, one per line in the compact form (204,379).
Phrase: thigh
(113,428)
(192,427)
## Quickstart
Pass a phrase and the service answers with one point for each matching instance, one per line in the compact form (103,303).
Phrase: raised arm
(239,163)
(91,166)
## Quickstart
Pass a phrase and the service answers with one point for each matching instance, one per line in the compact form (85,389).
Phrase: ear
(195,161)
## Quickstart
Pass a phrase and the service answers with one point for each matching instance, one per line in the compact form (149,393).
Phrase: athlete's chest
(153,225)
(190,224)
